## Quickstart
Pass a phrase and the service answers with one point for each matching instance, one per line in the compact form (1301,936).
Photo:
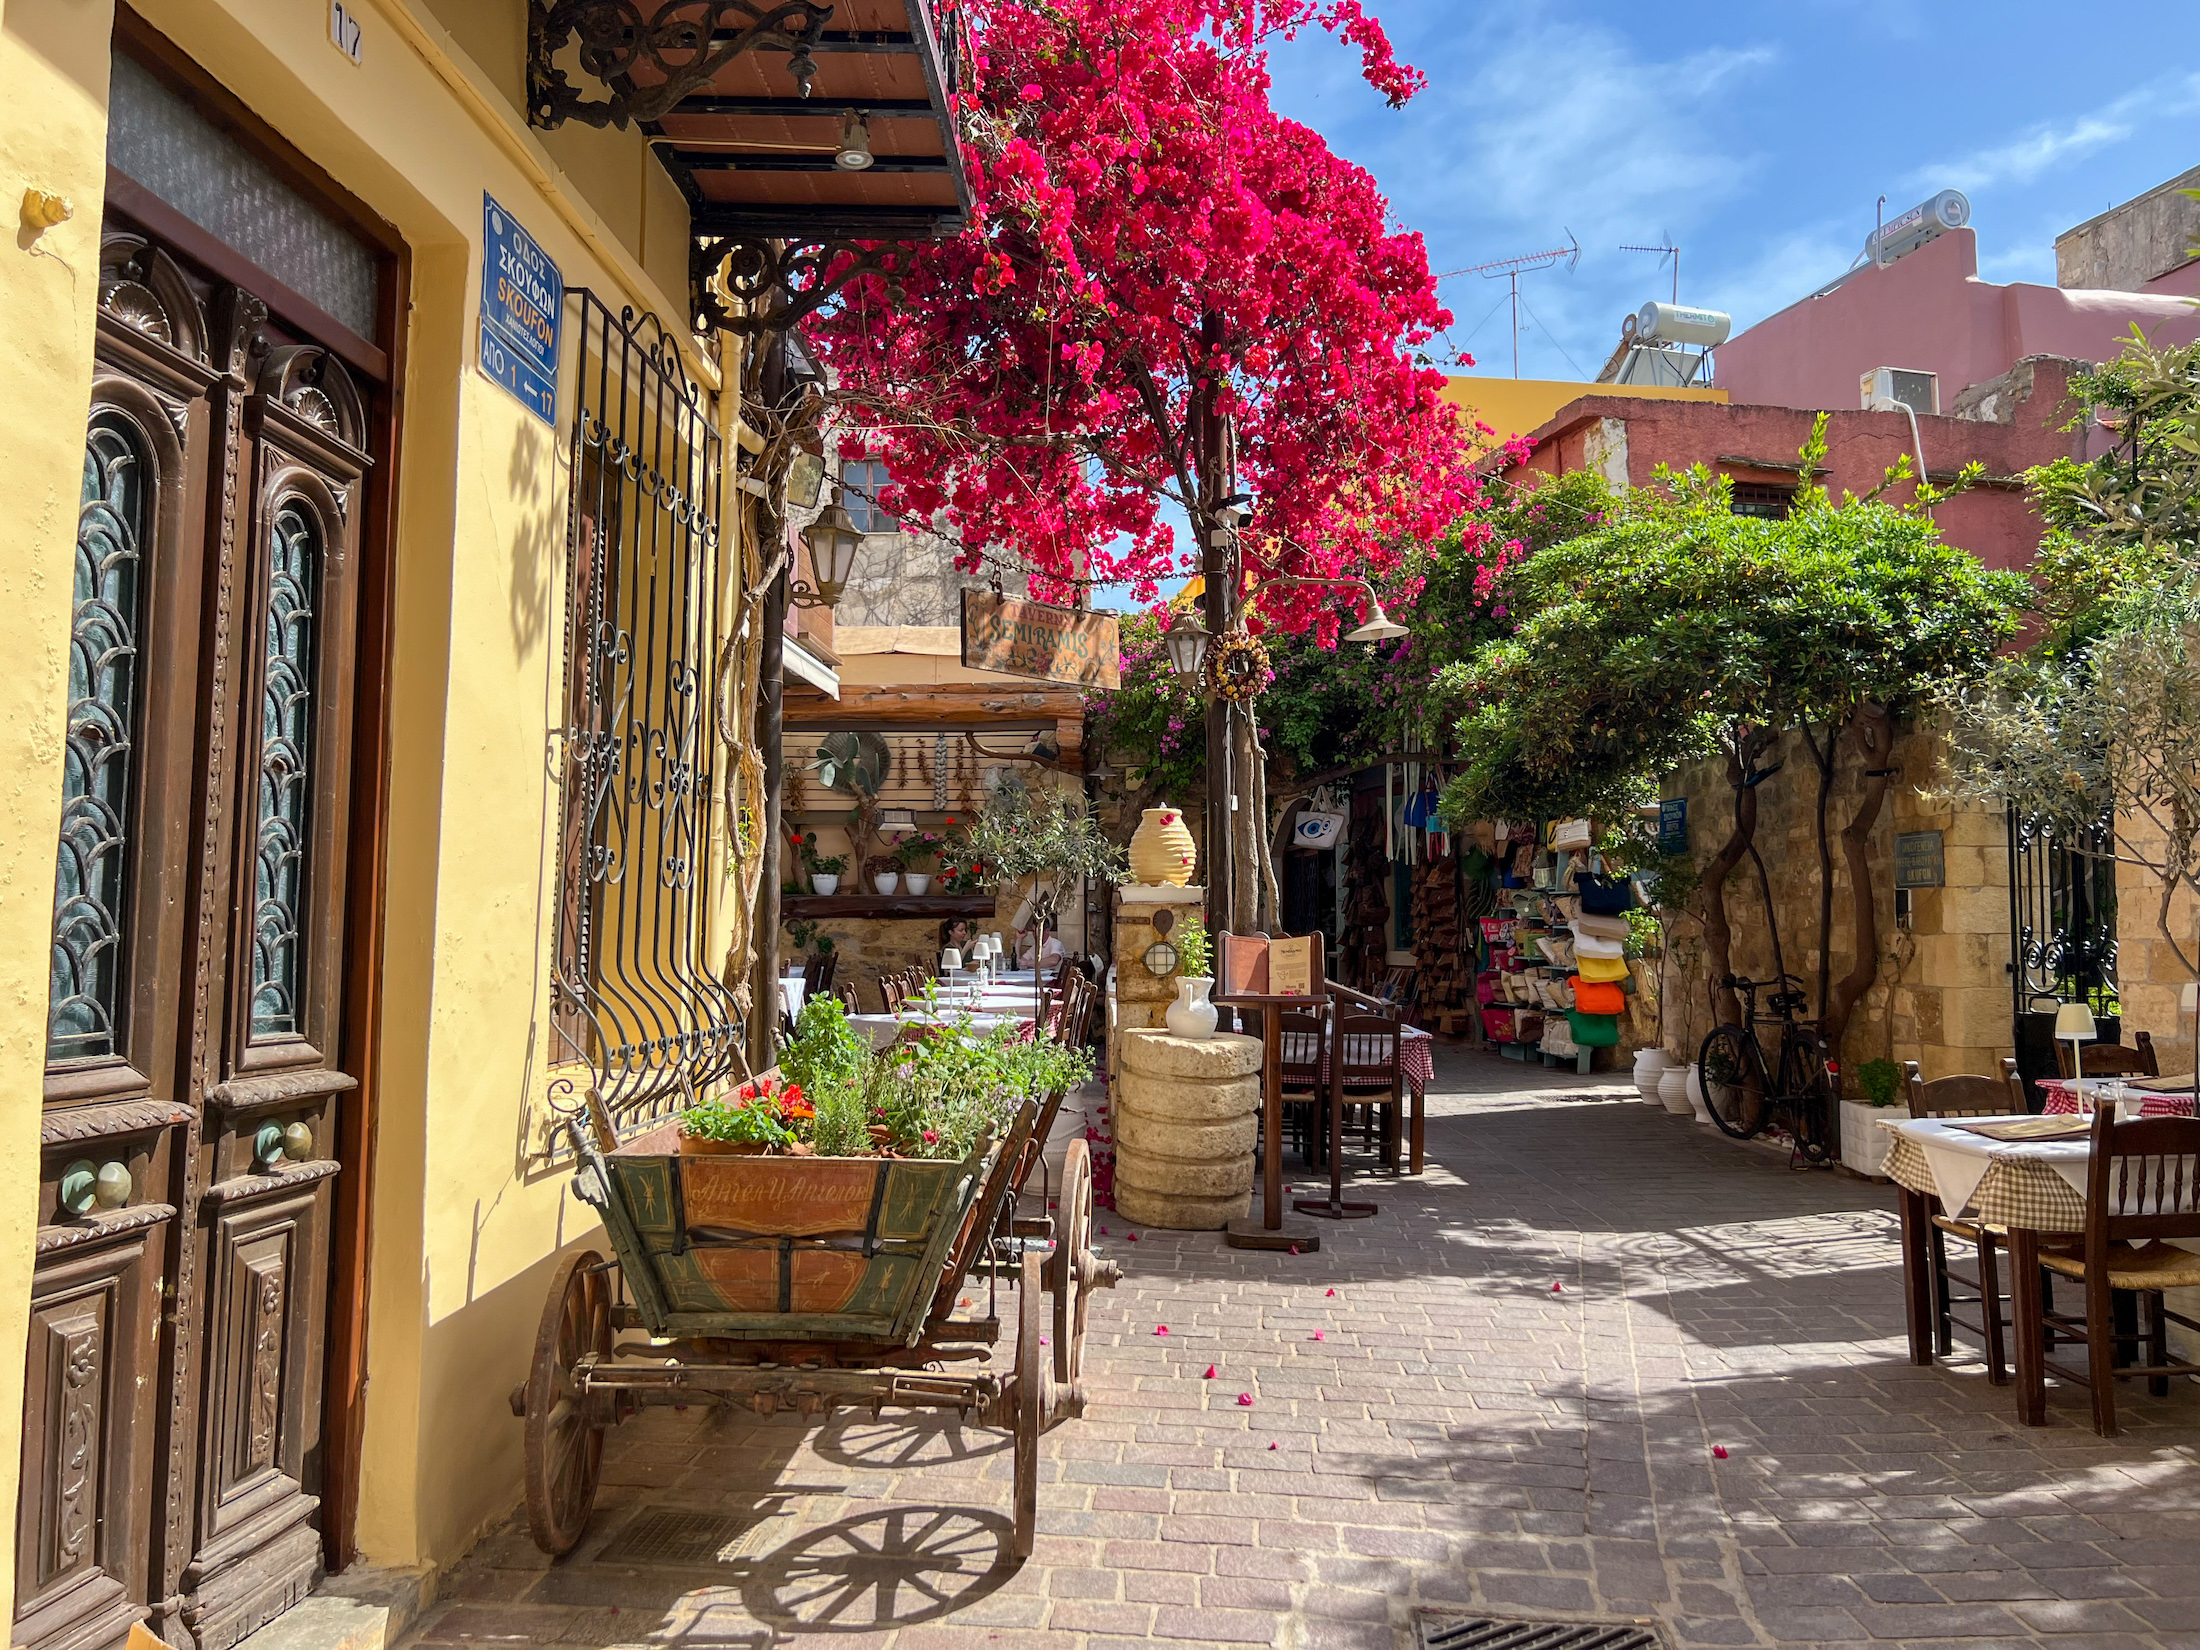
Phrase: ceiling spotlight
(854,154)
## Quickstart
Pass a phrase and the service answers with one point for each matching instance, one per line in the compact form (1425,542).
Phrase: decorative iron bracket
(778,283)
(687,42)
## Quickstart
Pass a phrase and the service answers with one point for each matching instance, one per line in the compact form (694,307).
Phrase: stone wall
(1942,996)
(871,946)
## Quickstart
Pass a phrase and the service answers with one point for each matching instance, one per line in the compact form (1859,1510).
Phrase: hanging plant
(1238,667)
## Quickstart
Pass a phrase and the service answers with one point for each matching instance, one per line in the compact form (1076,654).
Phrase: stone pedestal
(1142,998)
(1186,1117)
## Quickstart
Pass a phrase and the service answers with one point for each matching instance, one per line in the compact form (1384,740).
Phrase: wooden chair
(2112,1059)
(1366,1052)
(2143,1185)
(1301,1031)
(891,993)
(1968,1096)
(846,993)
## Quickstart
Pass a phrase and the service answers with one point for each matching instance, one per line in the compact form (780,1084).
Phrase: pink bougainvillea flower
(1558,1289)
(1294,1248)
(1160,1329)
(1718,1452)
(1210,1375)
(1245,1400)
(1130,1237)
(1332,1292)
(1271,1446)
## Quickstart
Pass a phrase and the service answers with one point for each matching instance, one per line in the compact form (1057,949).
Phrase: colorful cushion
(1599,997)
(1601,968)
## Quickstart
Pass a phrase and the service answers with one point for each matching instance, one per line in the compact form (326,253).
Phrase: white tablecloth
(791,992)
(882,1029)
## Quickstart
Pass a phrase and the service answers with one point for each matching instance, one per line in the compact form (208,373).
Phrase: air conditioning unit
(1885,388)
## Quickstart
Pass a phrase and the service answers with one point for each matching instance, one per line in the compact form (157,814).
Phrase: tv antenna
(1511,269)
(1665,249)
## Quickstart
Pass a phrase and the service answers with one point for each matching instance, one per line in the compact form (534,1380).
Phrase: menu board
(1291,968)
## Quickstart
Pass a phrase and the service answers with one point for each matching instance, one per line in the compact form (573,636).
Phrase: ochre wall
(53,60)
(467,1224)
(1942,994)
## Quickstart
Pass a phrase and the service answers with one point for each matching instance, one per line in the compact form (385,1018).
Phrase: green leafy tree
(1678,630)
(2101,717)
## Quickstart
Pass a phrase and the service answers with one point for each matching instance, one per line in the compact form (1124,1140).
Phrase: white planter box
(1863,1142)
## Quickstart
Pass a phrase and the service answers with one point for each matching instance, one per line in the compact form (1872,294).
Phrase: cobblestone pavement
(1515,1399)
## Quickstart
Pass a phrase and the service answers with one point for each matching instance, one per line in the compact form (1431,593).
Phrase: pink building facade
(1930,312)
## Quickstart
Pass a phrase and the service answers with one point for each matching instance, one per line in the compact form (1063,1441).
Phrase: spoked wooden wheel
(1073,1270)
(565,1426)
(1030,1405)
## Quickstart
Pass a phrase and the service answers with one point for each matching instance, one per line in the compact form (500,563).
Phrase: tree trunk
(1872,727)
(1718,928)
(1826,755)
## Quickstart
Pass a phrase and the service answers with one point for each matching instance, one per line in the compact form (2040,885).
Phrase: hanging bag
(1593,1030)
(1599,997)
(1603,896)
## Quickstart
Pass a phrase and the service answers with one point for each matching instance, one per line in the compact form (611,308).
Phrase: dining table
(2157,1096)
(2010,1172)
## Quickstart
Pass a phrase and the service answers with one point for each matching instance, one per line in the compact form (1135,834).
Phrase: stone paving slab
(1516,1401)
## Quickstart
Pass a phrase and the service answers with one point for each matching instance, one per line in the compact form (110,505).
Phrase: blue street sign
(1673,825)
(522,306)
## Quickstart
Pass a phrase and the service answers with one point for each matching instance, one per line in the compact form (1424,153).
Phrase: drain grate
(1442,1630)
(683,1540)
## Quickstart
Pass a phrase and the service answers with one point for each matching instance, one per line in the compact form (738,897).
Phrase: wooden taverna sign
(1025,638)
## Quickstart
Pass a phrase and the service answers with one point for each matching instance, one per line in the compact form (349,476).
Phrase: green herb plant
(1879,1079)
(1195,951)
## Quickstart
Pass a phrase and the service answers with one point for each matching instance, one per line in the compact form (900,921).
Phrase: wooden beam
(978,705)
(717,160)
(810,108)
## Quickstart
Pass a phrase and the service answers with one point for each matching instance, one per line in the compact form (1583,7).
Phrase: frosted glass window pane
(155,138)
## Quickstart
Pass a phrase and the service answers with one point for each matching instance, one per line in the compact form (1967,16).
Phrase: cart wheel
(1065,1273)
(565,1427)
(1032,1404)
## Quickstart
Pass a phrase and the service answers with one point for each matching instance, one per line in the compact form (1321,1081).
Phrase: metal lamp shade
(1380,626)
(832,540)
(1187,643)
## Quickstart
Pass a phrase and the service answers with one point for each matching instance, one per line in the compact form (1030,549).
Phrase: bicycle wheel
(1803,1095)
(1732,1070)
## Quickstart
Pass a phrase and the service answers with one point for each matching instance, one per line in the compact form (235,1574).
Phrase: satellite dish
(854,763)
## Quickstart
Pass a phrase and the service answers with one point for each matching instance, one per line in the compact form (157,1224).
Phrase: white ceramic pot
(1192,1016)
(820,883)
(917,882)
(1695,1092)
(1672,1088)
(1650,1065)
(1863,1142)
(886,882)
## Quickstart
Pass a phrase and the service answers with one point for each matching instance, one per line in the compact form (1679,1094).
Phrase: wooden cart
(806,1284)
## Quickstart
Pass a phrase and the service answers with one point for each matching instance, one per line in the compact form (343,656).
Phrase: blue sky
(1756,136)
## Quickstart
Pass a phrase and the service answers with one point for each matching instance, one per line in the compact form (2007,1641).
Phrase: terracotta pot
(696,1145)
(1162,850)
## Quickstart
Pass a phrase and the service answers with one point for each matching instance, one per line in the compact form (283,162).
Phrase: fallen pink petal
(1210,1375)
(1317,1334)
(1245,1399)
(1718,1452)
(1160,1329)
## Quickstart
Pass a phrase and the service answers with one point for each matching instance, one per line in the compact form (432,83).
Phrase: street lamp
(1187,642)
(831,540)
(1380,626)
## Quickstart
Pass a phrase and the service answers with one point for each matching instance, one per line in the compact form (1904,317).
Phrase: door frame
(380,367)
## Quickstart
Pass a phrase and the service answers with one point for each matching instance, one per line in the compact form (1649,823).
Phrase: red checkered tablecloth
(2062,1096)
(1416,1060)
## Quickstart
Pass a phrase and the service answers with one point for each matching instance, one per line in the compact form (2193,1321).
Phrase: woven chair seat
(2157,1266)
(1969,1229)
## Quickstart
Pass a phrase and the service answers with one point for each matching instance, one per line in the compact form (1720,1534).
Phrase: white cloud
(2043,147)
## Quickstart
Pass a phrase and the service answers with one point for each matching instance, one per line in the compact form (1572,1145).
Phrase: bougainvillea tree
(1166,291)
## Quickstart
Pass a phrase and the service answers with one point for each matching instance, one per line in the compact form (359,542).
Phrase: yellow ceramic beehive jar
(1162,850)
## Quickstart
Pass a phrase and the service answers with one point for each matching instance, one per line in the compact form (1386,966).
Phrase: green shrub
(1880,1080)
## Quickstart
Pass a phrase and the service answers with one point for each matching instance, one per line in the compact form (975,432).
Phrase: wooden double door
(192,1144)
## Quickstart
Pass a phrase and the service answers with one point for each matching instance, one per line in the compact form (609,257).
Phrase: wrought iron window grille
(681,49)
(750,286)
(2062,923)
(636,996)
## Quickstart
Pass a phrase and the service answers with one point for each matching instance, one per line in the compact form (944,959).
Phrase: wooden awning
(752,115)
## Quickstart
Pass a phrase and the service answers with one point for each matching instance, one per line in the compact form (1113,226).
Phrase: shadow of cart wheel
(902,1441)
(897,1567)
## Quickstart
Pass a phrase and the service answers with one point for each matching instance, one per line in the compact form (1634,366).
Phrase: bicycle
(1744,1090)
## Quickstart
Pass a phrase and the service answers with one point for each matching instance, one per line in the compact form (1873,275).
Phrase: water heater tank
(1679,324)
(1929,220)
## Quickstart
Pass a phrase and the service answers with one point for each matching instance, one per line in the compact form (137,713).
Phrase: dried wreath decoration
(1238,667)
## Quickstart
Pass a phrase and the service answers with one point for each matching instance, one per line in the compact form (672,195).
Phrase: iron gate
(2062,924)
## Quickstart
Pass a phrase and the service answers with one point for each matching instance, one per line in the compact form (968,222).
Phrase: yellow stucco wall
(53,60)
(1514,406)
(465,1230)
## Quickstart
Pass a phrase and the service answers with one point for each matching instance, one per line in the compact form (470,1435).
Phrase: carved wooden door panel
(178,1318)
(117,1129)
(274,973)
